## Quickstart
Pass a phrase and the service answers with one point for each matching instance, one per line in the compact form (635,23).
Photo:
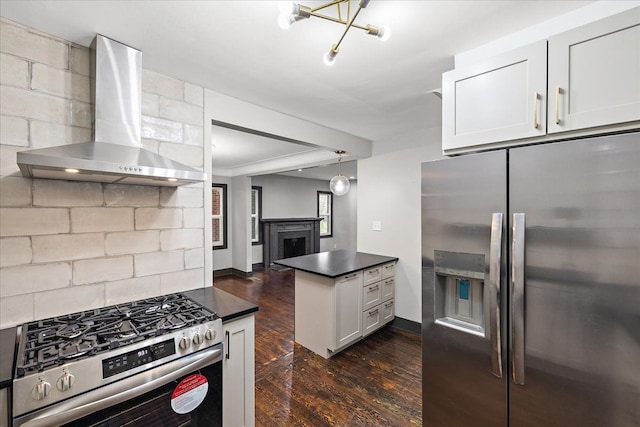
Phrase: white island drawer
(371,295)
(388,270)
(372,275)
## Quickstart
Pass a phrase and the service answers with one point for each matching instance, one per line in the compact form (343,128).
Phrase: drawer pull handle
(373,312)
(389,304)
(374,288)
(373,271)
(353,276)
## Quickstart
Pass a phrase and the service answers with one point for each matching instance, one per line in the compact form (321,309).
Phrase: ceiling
(374,90)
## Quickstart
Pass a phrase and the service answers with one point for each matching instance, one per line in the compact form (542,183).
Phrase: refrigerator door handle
(495,261)
(517,298)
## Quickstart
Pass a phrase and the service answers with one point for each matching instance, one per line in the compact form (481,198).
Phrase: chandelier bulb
(384,33)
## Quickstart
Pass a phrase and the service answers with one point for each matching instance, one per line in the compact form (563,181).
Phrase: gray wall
(287,197)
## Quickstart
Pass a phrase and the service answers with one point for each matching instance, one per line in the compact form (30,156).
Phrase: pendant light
(339,184)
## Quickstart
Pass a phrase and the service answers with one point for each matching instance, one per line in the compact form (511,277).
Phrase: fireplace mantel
(275,230)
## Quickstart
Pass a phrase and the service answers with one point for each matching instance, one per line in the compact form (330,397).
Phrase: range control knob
(41,390)
(65,382)
(197,338)
(185,343)
(210,334)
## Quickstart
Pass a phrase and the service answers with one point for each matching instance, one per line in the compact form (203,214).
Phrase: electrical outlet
(377,225)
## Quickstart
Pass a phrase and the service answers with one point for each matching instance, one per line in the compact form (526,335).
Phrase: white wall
(389,189)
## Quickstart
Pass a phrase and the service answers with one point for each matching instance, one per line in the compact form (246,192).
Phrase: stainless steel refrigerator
(531,286)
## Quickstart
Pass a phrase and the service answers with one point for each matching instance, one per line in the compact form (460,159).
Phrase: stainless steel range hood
(115,155)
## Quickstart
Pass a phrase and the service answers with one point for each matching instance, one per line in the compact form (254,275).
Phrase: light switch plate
(377,225)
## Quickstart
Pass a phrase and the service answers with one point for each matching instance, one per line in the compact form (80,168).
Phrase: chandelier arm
(331,18)
(349,25)
(326,5)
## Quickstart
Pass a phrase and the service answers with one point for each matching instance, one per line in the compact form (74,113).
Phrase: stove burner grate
(51,342)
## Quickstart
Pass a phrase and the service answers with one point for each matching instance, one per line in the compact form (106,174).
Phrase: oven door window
(155,409)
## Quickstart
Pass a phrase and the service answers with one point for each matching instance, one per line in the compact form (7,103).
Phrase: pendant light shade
(339,184)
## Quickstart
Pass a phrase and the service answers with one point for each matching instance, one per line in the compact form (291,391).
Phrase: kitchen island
(341,297)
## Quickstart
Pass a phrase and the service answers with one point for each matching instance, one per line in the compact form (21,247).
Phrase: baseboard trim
(231,272)
(258,266)
(407,325)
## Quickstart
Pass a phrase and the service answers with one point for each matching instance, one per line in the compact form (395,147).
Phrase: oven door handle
(120,391)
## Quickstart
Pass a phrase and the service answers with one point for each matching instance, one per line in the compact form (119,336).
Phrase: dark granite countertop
(227,306)
(335,263)
(7,353)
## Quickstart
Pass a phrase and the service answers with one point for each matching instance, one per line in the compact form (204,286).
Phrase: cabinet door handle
(535,110)
(353,276)
(228,337)
(557,105)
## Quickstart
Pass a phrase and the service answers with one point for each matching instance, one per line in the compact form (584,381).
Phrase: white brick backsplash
(158,218)
(193,135)
(131,289)
(132,242)
(182,281)
(150,104)
(87,220)
(131,195)
(161,129)
(102,270)
(66,247)
(194,258)
(68,300)
(14,131)
(158,263)
(194,94)
(27,279)
(8,165)
(14,71)
(80,61)
(15,191)
(162,85)
(49,192)
(60,82)
(81,114)
(180,111)
(15,251)
(181,197)
(45,135)
(33,105)
(33,221)
(16,310)
(190,155)
(193,217)
(21,42)
(181,238)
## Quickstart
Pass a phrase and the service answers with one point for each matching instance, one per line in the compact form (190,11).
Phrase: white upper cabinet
(593,85)
(499,99)
(594,74)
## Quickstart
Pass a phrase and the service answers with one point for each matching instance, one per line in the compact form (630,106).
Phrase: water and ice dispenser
(459,291)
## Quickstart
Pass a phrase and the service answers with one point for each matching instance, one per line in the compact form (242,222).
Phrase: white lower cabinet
(331,314)
(238,373)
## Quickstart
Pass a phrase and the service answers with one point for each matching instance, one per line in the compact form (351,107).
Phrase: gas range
(65,356)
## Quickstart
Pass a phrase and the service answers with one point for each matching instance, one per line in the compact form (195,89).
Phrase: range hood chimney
(115,154)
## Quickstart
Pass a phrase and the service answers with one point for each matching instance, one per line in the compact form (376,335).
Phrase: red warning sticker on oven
(189,394)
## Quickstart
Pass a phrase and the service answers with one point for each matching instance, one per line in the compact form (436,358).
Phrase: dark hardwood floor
(376,382)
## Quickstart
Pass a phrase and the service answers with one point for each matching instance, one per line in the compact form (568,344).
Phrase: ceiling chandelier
(293,12)
(339,184)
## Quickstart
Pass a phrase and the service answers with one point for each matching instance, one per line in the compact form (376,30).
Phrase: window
(219,215)
(325,209)
(256,215)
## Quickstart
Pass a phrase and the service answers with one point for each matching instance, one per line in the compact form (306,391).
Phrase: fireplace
(289,237)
